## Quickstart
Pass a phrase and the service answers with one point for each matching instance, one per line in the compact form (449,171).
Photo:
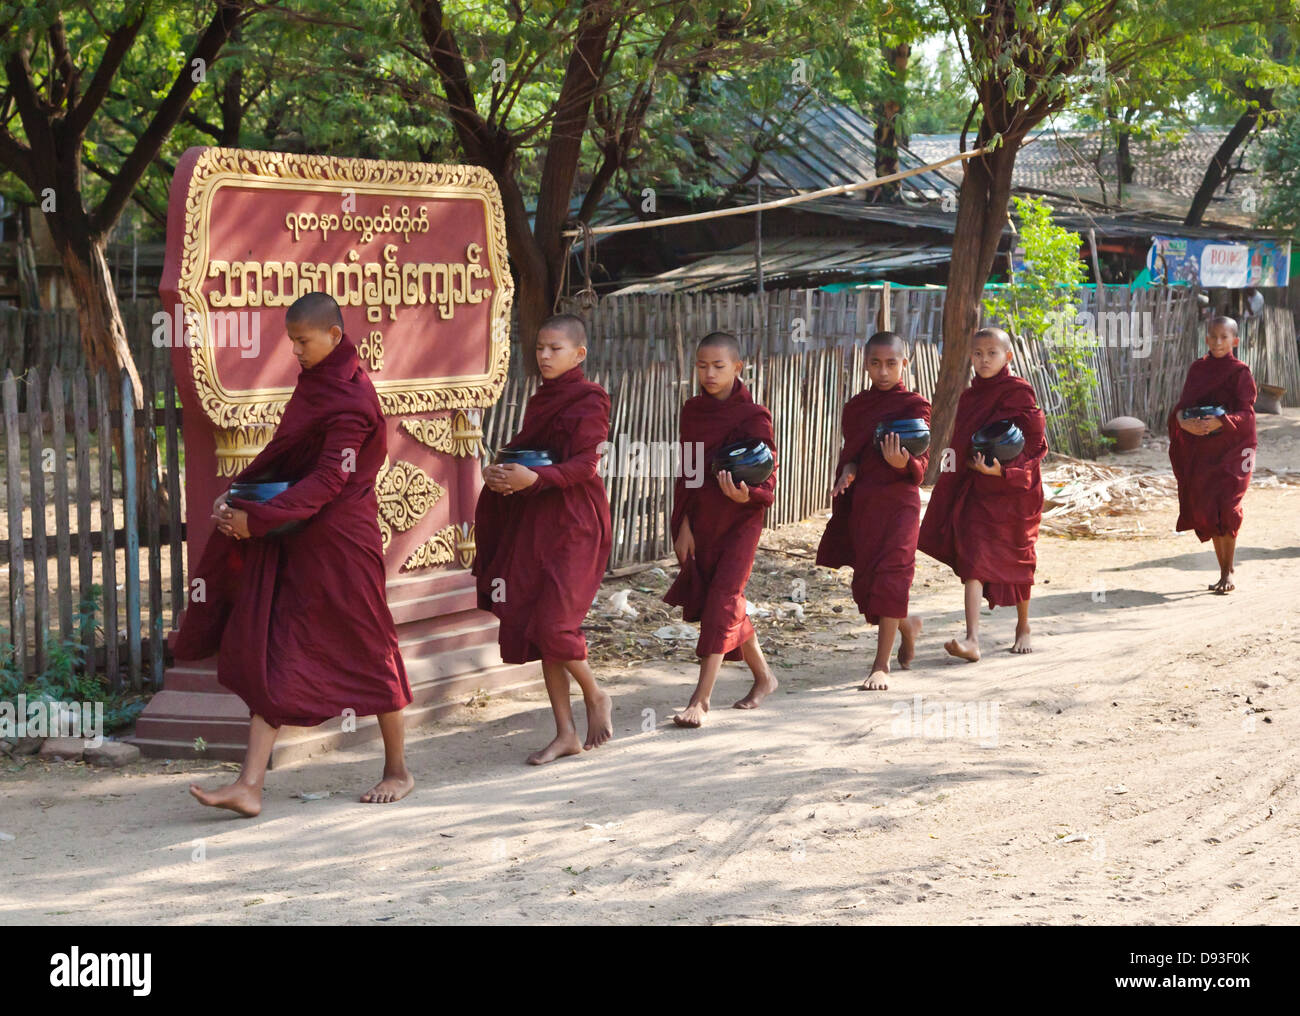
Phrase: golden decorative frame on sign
(462,435)
(217,167)
(443,547)
(405,493)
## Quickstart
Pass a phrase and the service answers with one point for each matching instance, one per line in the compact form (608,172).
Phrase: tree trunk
(582,80)
(886,129)
(103,337)
(1260,99)
(1123,164)
(534,286)
(536,252)
(981,216)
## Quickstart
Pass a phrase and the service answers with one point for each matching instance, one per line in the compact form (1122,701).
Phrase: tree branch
(119,44)
(224,21)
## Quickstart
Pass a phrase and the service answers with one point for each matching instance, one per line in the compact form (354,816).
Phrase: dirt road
(1154,719)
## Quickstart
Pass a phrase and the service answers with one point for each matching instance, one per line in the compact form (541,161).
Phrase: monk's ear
(336,335)
(582,354)
(1011,355)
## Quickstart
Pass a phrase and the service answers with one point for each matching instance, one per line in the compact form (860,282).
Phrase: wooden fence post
(14,488)
(131,526)
(40,554)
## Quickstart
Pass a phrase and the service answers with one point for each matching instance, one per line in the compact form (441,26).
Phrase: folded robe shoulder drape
(711,585)
(985,527)
(1214,470)
(874,524)
(300,622)
(542,551)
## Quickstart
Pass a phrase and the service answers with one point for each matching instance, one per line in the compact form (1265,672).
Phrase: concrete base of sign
(449,647)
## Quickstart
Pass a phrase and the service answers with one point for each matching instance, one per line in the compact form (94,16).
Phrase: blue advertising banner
(1210,263)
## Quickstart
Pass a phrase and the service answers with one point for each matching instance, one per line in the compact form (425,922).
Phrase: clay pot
(1269,399)
(1127,432)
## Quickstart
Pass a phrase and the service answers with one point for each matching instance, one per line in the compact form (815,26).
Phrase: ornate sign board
(415,255)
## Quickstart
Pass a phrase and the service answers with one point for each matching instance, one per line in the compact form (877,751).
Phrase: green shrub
(64,678)
(1042,303)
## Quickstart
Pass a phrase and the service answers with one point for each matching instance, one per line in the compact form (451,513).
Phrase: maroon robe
(873,525)
(542,551)
(300,621)
(711,585)
(1214,470)
(985,527)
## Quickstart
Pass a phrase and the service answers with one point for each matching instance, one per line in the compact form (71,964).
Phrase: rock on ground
(113,754)
(70,749)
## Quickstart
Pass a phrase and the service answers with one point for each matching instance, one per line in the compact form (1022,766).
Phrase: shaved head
(572,327)
(720,340)
(997,334)
(891,339)
(1224,322)
(316,311)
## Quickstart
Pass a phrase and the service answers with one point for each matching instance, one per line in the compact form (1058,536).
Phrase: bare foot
(391,788)
(965,649)
(600,721)
(1022,641)
(564,744)
(236,797)
(909,628)
(693,715)
(1224,585)
(876,682)
(763,687)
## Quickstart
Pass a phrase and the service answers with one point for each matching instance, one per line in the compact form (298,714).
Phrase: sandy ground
(1152,719)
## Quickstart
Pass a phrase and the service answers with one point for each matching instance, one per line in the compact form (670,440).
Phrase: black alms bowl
(748,461)
(914,435)
(529,457)
(264,491)
(1002,440)
(1203,412)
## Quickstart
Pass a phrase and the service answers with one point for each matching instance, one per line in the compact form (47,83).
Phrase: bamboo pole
(795,199)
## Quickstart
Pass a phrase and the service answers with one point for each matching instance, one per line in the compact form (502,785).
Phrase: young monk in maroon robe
(716,526)
(300,621)
(1213,458)
(544,535)
(876,504)
(982,521)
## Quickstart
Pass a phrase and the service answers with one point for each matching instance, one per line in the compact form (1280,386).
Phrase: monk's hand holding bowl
(978,464)
(847,475)
(517,477)
(893,451)
(739,494)
(234,522)
(495,479)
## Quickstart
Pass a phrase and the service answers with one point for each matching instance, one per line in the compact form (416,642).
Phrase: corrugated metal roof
(1073,159)
(1121,224)
(832,144)
(817,260)
(810,260)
